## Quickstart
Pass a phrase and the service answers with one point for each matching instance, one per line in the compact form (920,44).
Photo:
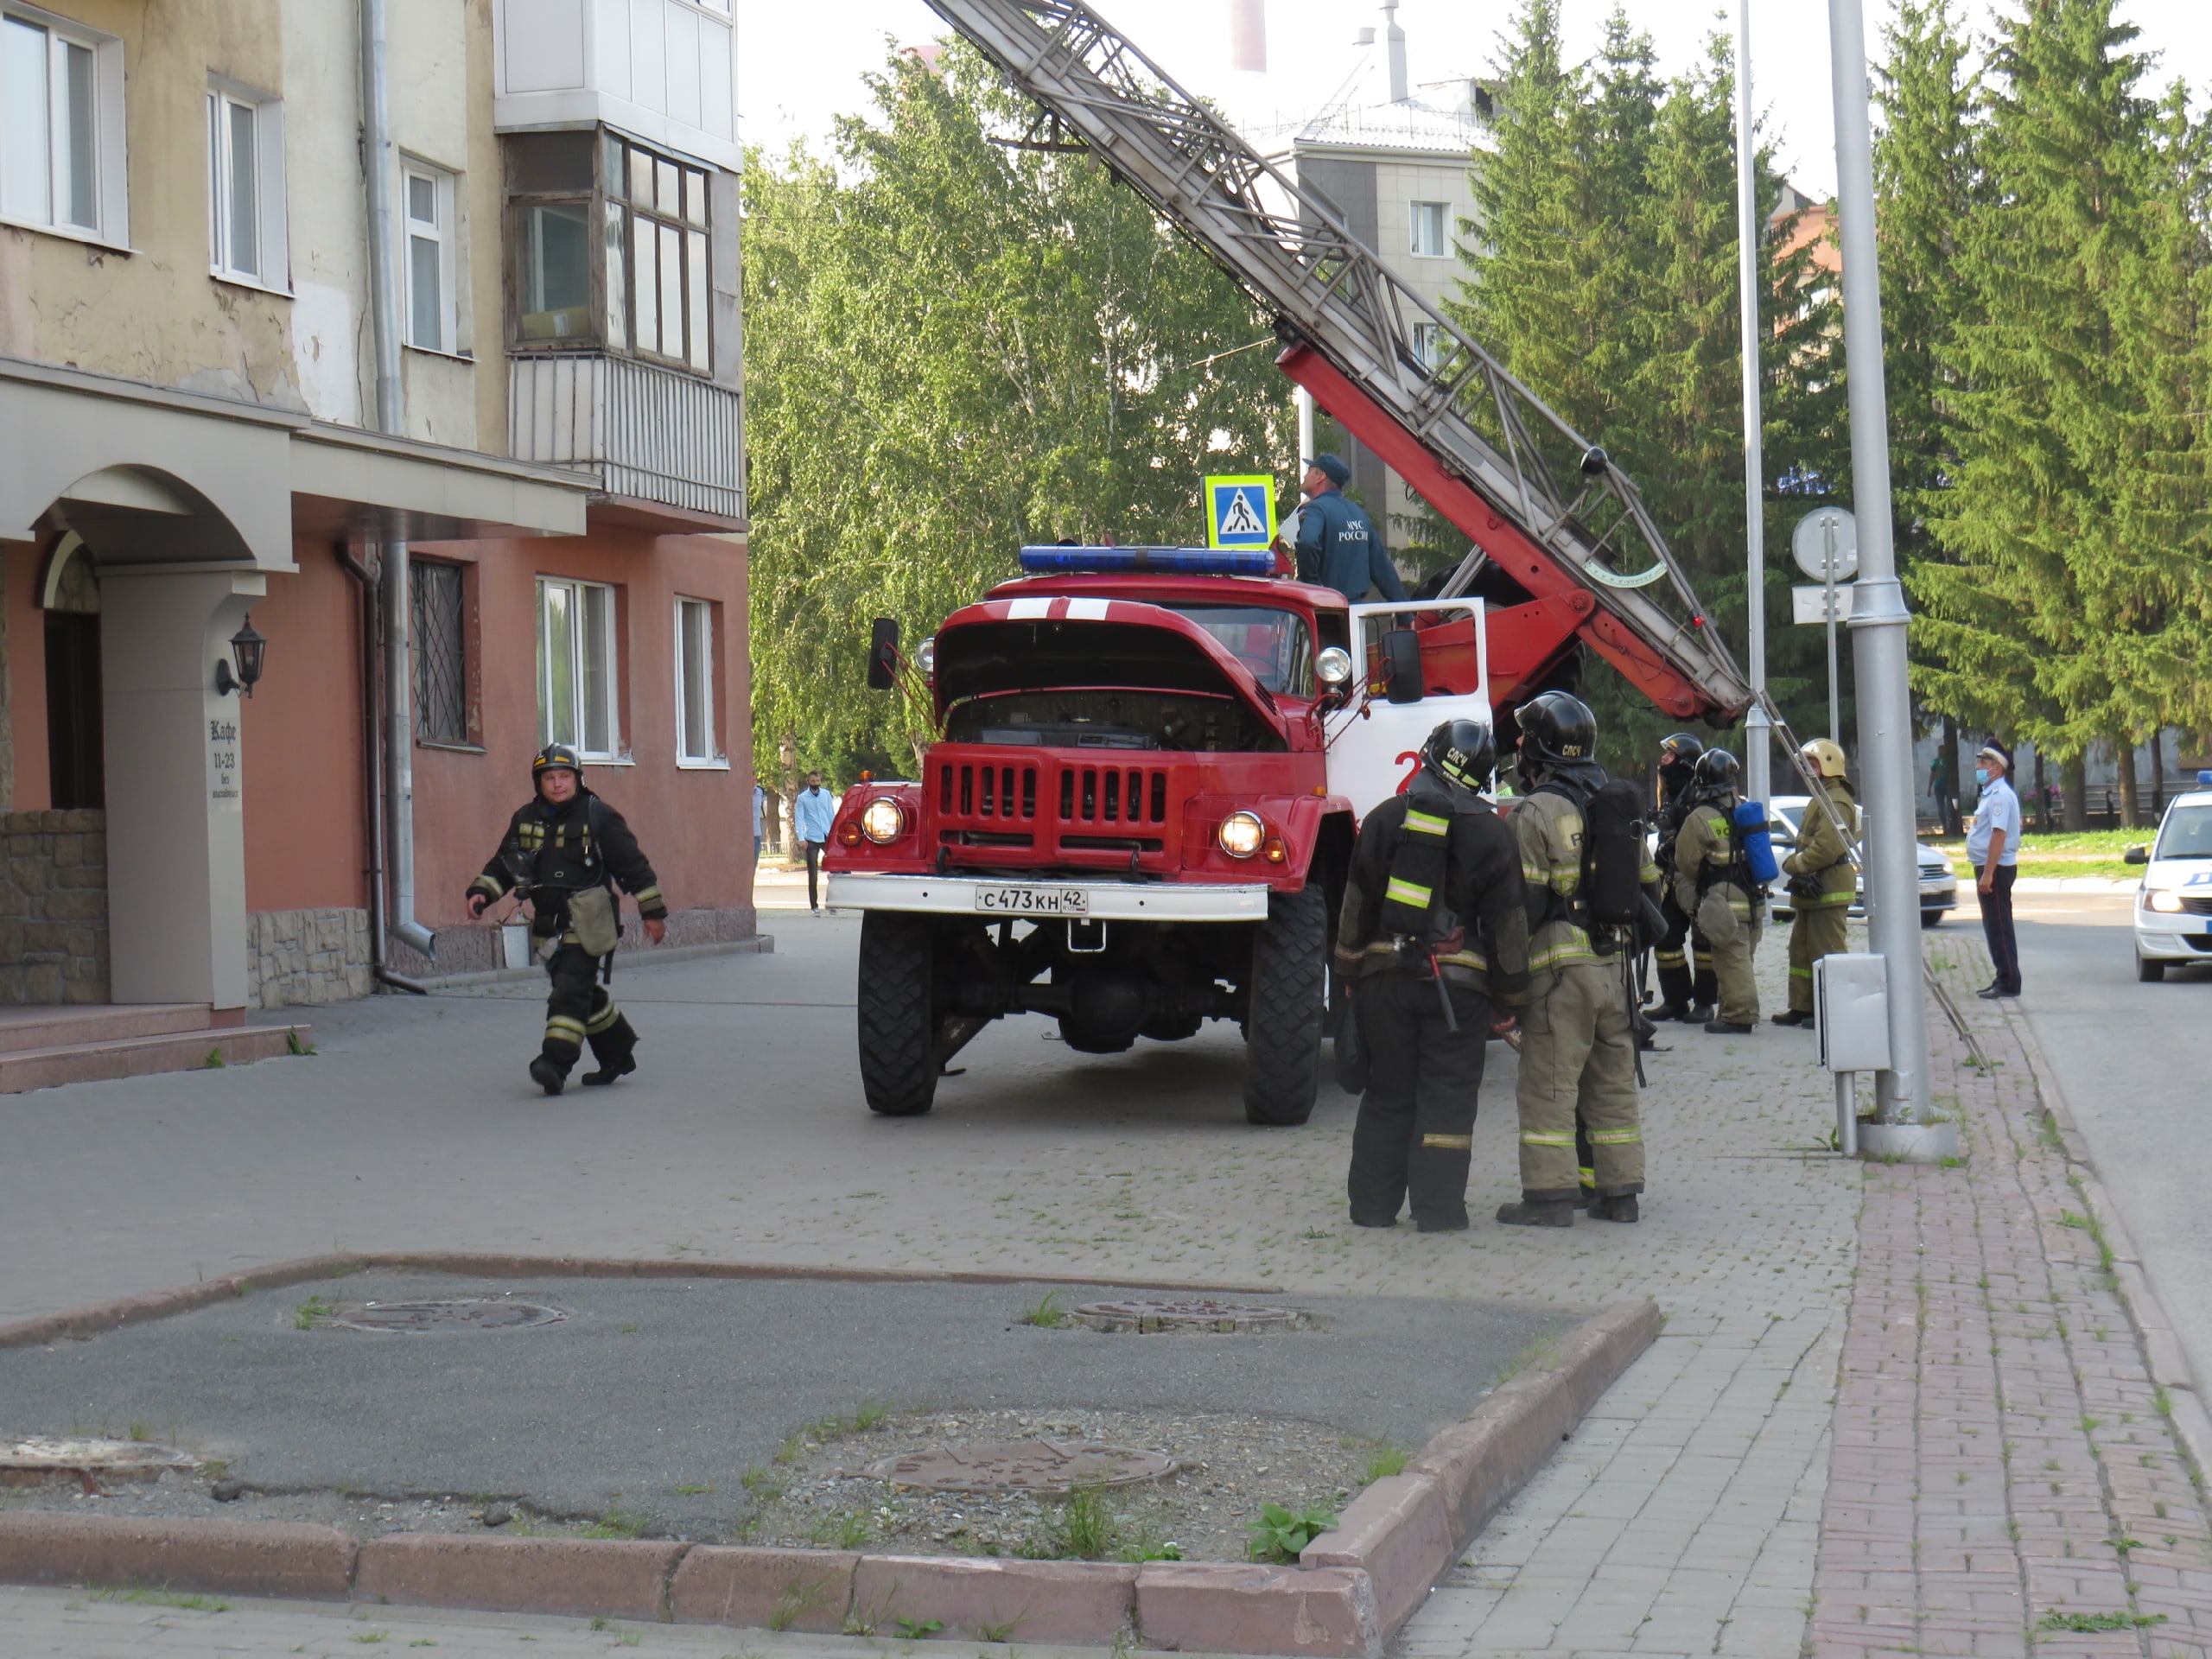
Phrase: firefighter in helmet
(1822,880)
(565,851)
(1712,882)
(1578,1043)
(1432,940)
(1683,992)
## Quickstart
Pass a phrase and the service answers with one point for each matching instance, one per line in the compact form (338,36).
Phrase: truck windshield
(2187,834)
(1273,643)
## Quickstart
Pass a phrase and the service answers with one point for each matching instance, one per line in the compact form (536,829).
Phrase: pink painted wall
(23,564)
(695,825)
(306,831)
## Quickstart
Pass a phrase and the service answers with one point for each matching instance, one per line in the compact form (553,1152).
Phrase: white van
(2173,907)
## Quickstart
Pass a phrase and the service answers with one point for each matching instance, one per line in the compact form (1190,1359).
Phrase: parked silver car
(1939,886)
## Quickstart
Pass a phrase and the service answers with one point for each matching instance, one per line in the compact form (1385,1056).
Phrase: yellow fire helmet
(1825,757)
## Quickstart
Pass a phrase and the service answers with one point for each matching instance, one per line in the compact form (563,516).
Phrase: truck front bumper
(1108,902)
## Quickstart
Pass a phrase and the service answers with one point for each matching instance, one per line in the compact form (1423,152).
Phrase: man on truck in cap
(1338,545)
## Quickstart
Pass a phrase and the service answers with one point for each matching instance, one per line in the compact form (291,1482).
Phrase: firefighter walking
(565,851)
(1431,937)
(1712,882)
(1822,881)
(1578,1043)
(1684,993)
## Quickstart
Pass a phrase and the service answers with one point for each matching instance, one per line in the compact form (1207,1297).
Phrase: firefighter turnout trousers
(1578,1058)
(580,1009)
(1727,923)
(1681,986)
(1818,929)
(1412,1143)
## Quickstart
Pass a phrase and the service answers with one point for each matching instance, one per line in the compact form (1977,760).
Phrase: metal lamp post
(1878,627)
(1757,740)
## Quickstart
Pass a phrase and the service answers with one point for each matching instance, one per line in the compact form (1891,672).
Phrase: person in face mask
(1994,850)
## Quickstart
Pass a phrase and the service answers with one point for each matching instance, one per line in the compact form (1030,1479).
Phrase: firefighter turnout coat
(1711,884)
(1817,926)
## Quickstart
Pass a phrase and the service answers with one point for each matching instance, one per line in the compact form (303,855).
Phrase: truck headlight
(2162,900)
(1241,834)
(883,820)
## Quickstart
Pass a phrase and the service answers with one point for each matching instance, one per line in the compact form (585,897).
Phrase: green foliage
(1279,1534)
(1046,1314)
(1387,1459)
(2086,1622)
(953,348)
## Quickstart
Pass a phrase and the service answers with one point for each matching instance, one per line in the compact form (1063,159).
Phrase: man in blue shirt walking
(813,809)
(1337,544)
(1994,850)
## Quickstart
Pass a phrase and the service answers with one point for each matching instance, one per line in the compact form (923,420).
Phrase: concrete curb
(2162,1354)
(1348,1593)
(82,1323)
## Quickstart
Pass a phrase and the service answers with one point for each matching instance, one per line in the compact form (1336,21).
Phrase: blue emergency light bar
(2205,778)
(1180,561)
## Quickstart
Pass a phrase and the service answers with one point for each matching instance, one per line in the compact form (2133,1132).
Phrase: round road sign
(1817,532)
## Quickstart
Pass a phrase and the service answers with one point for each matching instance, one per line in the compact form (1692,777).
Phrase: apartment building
(392,350)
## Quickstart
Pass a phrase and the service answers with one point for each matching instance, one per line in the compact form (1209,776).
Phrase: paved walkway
(1894,1410)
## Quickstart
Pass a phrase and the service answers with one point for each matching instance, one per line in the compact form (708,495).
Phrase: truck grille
(987,794)
(2193,906)
(1113,795)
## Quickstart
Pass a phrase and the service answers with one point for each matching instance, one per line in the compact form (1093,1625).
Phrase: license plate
(1034,901)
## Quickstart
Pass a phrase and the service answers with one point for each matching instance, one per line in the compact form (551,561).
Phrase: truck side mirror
(883,654)
(2136,855)
(1401,666)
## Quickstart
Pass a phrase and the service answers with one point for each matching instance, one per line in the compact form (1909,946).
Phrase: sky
(799,65)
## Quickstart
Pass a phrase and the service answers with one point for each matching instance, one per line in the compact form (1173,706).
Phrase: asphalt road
(660,1392)
(2135,1062)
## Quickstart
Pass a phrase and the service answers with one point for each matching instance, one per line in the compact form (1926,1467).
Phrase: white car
(1939,884)
(2173,907)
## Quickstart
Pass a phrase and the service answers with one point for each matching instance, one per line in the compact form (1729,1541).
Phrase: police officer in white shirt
(1994,850)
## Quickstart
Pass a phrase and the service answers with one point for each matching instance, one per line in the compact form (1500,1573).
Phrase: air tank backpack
(1615,911)
(1747,827)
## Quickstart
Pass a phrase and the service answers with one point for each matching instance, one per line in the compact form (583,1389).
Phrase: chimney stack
(1395,38)
(1248,36)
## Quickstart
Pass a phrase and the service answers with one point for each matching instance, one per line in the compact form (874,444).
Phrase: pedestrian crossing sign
(1240,512)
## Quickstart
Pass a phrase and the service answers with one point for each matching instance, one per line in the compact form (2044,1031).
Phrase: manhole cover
(27,1462)
(1023,1467)
(1146,1313)
(457,1313)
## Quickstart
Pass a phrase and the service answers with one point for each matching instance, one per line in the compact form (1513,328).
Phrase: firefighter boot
(1698,1016)
(1623,1208)
(1548,1212)
(613,1045)
(549,1074)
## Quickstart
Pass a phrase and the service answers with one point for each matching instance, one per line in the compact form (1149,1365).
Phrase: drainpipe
(391,416)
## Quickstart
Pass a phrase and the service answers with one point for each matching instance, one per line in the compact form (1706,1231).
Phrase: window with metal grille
(440,652)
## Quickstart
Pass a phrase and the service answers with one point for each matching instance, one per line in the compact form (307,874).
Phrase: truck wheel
(898,1022)
(1282,1029)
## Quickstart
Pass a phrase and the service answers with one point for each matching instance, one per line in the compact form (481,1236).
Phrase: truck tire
(1283,1026)
(898,1016)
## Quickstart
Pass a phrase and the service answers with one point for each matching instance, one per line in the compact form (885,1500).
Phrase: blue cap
(1333,466)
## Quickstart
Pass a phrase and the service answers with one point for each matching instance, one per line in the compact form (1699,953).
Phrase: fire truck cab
(1138,811)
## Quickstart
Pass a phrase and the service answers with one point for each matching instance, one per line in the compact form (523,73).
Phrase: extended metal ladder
(1348,324)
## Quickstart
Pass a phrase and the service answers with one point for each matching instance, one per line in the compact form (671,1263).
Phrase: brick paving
(2003,1481)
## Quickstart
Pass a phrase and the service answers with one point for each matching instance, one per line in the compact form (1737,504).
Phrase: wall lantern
(248,647)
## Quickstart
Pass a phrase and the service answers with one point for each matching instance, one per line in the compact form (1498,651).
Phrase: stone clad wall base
(53,936)
(301,958)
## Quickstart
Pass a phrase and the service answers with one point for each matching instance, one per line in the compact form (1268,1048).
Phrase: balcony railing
(648,433)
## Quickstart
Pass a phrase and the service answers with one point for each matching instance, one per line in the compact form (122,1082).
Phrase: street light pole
(1758,742)
(1878,612)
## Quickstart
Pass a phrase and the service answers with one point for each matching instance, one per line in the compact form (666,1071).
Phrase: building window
(440,651)
(611,247)
(427,197)
(1431,344)
(695,681)
(245,188)
(576,666)
(1428,230)
(60,126)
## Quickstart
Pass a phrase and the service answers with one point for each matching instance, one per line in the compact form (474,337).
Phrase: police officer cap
(553,758)
(1559,728)
(1717,769)
(1333,466)
(1462,752)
